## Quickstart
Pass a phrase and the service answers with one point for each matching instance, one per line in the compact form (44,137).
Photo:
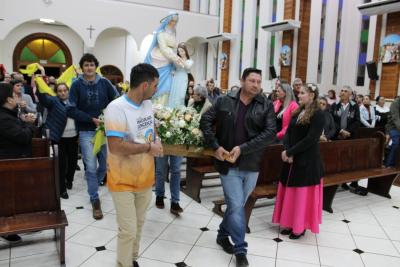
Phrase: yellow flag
(43,87)
(98,71)
(30,69)
(67,76)
(98,141)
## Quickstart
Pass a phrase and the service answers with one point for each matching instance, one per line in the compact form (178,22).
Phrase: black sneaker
(135,264)
(175,208)
(104,182)
(345,186)
(69,185)
(241,260)
(286,231)
(225,244)
(160,202)
(64,195)
(12,239)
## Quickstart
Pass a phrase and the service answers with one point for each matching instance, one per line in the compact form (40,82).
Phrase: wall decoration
(223,61)
(390,49)
(285,56)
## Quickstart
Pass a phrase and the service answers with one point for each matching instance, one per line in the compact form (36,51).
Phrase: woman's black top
(302,142)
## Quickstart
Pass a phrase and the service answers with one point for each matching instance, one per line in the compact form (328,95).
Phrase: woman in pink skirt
(298,204)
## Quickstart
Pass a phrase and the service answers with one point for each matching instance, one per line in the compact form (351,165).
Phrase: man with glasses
(297,84)
(346,115)
(245,125)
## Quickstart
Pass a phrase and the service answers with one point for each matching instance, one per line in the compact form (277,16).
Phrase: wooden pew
(30,197)
(344,161)
(197,170)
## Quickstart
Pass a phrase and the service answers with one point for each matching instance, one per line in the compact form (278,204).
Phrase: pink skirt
(299,208)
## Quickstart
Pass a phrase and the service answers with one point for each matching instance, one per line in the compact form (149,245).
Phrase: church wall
(70,38)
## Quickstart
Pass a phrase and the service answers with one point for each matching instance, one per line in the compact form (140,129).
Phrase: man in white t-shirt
(132,146)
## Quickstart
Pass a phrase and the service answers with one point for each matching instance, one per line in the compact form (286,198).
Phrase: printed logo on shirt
(149,136)
(143,123)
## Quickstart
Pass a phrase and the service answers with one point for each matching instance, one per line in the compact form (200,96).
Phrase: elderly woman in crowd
(200,101)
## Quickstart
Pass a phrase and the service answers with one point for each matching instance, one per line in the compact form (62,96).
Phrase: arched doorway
(112,73)
(46,49)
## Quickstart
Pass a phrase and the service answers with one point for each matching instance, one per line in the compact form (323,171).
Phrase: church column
(287,37)
(186,5)
(226,45)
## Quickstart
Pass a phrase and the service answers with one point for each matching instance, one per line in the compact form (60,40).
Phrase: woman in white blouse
(367,113)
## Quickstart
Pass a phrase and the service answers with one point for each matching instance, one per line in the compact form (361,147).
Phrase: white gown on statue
(179,85)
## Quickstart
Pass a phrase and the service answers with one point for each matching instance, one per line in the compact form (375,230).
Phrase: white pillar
(280,8)
(213,8)
(313,41)
(250,10)
(194,6)
(328,60)
(379,63)
(204,6)
(264,43)
(370,49)
(295,42)
(234,76)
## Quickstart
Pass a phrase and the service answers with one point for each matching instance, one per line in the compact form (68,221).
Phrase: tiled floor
(363,231)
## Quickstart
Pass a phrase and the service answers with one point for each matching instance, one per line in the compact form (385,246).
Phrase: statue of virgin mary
(162,55)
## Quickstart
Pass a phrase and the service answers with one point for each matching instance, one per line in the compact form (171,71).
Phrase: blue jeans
(237,186)
(94,175)
(162,173)
(391,158)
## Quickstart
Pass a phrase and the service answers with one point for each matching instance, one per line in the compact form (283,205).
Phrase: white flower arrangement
(178,126)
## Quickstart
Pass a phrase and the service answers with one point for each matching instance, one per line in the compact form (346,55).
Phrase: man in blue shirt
(89,96)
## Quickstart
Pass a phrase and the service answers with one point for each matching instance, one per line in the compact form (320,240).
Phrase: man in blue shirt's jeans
(89,96)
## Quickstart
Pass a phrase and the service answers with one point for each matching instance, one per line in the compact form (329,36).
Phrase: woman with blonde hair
(284,106)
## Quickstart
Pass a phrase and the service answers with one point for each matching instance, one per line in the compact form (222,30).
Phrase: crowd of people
(237,125)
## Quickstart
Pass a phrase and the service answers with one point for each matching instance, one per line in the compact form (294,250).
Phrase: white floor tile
(153,229)
(198,208)
(338,227)
(261,247)
(4,263)
(373,260)
(271,231)
(208,240)
(287,263)
(35,243)
(378,246)
(334,240)
(4,251)
(256,261)
(392,232)
(367,230)
(73,228)
(179,233)
(192,220)
(160,215)
(94,237)
(308,238)
(339,257)
(108,222)
(43,260)
(298,252)
(82,216)
(105,258)
(214,223)
(143,262)
(76,254)
(167,251)
(200,256)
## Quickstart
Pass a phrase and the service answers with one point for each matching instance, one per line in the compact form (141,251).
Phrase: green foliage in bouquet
(178,126)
